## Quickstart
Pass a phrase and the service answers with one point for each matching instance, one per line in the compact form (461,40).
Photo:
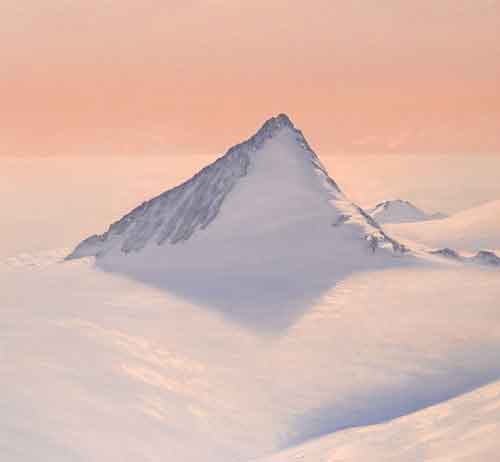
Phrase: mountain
(271,188)
(473,229)
(152,354)
(258,235)
(400,211)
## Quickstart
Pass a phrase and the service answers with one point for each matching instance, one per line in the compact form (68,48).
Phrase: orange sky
(109,76)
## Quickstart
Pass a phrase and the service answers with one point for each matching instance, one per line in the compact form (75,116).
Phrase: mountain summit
(270,193)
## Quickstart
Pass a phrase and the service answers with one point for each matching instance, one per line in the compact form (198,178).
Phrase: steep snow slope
(464,429)
(271,183)
(470,230)
(400,211)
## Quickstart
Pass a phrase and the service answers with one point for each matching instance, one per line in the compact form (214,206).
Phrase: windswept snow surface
(471,230)
(463,429)
(97,366)
(400,211)
(237,315)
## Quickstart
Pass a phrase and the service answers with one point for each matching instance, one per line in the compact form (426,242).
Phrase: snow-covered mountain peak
(400,211)
(270,186)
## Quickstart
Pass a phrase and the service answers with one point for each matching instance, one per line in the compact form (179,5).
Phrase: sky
(195,77)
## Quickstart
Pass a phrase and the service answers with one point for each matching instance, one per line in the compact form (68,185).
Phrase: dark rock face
(447,252)
(487,257)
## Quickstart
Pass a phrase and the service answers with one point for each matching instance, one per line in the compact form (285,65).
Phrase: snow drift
(463,429)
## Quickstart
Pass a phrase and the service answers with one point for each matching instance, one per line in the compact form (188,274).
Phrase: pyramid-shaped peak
(276,163)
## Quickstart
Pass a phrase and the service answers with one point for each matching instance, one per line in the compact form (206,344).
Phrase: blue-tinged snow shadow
(266,298)
(462,372)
